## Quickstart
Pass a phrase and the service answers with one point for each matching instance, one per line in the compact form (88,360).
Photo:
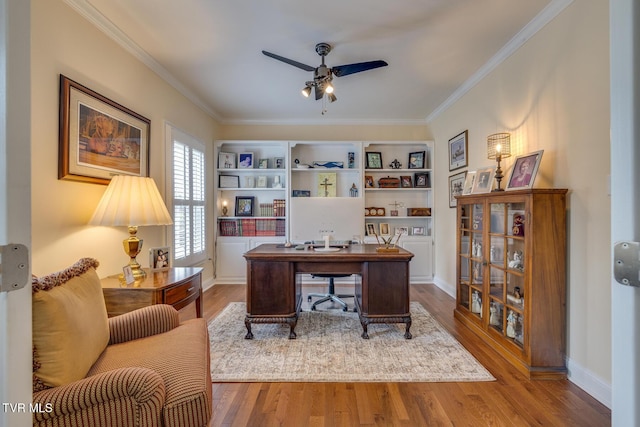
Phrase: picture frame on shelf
(244,205)
(385,230)
(278,162)
(374,160)
(371,229)
(262,181)
(263,164)
(468,182)
(417,160)
(483,182)
(228,181)
(458,147)
(98,137)
(406,181)
(226,160)
(159,258)
(417,231)
(368,181)
(456,186)
(524,171)
(245,161)
(422,180)
(402,230)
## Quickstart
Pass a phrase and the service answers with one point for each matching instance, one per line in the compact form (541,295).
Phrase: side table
(176,286)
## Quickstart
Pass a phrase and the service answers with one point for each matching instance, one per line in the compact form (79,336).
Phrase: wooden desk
(177,286)
(274,290)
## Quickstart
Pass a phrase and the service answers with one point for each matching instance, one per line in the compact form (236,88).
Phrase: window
(189,204)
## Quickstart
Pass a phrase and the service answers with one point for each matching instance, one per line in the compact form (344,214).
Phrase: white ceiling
(211,51)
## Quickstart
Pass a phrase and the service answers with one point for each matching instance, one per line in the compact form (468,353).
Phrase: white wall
(65,43)
(552,94)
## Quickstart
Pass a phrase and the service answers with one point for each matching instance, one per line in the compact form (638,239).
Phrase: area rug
(329,349)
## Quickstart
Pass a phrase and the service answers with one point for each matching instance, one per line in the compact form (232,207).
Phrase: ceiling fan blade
(319,92)
(289,61)
(344,70)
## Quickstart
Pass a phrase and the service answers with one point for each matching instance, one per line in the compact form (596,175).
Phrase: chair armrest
(138,391)
(144,322)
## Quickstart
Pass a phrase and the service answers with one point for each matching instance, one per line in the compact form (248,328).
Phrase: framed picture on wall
(458,151)
(99,138)
(456,185)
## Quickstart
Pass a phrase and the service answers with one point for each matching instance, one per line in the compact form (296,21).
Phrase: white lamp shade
(131,201)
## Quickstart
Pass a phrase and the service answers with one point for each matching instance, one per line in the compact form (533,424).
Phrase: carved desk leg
(292,325)
(365,324)
(407,334)
(247,323)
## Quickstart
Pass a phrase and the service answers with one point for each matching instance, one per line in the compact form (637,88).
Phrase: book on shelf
(248,227)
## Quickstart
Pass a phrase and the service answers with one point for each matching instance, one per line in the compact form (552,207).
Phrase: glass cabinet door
(471,266)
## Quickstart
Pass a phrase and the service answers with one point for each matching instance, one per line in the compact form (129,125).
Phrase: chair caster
(308,299)
(345,309)
(313,308)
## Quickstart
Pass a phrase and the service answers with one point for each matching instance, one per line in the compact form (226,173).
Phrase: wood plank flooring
(512,400)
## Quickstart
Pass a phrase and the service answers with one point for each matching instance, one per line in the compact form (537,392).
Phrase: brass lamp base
(132,247)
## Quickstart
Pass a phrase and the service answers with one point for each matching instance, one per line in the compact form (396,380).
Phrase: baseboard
(590,383)
(581,377)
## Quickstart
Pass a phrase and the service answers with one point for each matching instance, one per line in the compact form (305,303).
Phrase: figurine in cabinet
(516,262)
(518,225)
(511,324)
(476,304)
(494,317)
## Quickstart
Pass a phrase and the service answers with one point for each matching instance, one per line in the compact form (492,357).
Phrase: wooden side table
(177,286)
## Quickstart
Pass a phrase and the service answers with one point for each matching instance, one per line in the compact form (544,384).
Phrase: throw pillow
(70,325)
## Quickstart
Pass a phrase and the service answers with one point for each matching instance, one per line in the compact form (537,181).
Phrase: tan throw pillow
(70,325)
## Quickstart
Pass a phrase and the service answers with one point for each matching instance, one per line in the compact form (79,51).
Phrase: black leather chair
(331,294)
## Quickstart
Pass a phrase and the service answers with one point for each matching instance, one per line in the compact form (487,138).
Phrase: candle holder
(499,146)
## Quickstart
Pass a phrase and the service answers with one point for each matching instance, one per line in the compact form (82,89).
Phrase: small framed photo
(262,181)
(416,160)
(402,230)
(244,205)
(385,230)
(226,160)
(456,185)
(374,160)
(417,231)
(245,160)
(468,182)
(406,182)
(458,151)
(159,258)
(228,181)
(422,180)
(524,171)
(371,229)
(484,180)
(278,162)
(263,164)
(368,181)
(127,272)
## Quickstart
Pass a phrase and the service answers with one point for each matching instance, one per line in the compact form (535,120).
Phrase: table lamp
(131,201)
(498,147)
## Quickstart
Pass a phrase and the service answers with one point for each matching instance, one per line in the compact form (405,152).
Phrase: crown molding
(323,121)
(552,10)
(92,15)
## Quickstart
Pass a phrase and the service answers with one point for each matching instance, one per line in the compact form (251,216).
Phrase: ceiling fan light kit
(323,75)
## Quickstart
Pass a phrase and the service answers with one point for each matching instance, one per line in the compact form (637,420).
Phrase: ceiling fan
(323,75)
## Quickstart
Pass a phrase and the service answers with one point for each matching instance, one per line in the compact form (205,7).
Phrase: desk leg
(292,321)
(247,323)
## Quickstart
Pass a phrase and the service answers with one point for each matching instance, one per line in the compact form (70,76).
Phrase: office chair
(331,295)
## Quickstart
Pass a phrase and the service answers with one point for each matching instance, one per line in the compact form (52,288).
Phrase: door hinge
(14,267)
(626,263)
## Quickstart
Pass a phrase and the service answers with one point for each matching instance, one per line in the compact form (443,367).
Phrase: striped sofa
(154,371)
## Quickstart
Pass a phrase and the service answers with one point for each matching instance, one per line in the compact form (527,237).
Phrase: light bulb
(329,88)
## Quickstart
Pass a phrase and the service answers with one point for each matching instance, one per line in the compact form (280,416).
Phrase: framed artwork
(159,258)
(402,230)
(524,171)
(468,182)
(262,181)
(244,205)
(417,231)
(98,137)
(229,181)
(368,181)
(245,160)
(385,229)
(278,162)
(371,229)
(458,151)
(456,185)
(374,160)
(483,181)
(406,182)
(263,164)
(226,160)
(416,160)
(422,180)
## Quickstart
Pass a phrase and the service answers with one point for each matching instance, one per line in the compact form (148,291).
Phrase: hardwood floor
(511,400)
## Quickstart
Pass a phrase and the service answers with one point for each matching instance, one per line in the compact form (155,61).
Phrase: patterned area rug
(329,349)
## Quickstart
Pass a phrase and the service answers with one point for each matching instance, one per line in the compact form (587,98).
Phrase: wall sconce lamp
(499,147)
(131,201)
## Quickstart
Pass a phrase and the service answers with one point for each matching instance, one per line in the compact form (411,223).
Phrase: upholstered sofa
(143,368)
